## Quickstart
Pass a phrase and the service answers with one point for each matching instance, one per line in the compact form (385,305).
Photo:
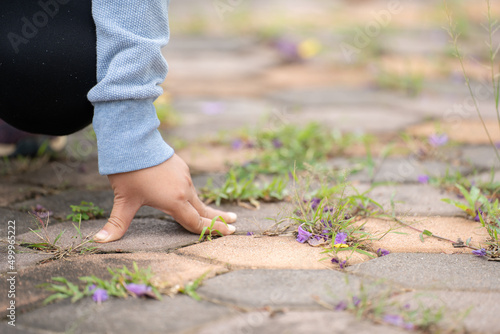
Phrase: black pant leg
(47,64)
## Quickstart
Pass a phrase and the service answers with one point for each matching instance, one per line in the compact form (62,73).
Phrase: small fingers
(191,220)
(210,213)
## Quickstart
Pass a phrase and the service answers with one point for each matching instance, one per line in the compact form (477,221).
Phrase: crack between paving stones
(419,288)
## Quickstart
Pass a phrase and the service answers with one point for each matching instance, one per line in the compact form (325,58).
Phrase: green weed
(209,230)
(408,82)
(330,217)
(47,245)
(239,189)
(116,286)
(385,306)
(191,287)
(289,146)
(484,210)
(85,211)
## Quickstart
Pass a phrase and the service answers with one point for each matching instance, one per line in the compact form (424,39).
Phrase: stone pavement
(225,75)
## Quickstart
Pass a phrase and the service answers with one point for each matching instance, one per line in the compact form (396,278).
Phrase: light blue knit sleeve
(130,69)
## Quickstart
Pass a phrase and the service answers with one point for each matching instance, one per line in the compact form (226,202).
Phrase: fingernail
(232,216)
(231,228)
(101,235)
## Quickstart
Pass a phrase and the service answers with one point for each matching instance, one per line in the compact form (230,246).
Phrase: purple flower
(237,144)
(211,108)
(288,49)
(423,179)
(41,212)
(497,144)
(91,288)
(382,252)
(277,143)
(341,306)
(478,212)
(139,289)
(100,295)
(315,202)
(326,209)
(356,301)
(250,233)
(340,238)
(325,234)
(438,140)
(303,235)
(329,223)
(479,252)
(340,263)
(397,320)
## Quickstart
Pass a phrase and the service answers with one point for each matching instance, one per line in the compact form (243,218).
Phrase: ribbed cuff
(127,136)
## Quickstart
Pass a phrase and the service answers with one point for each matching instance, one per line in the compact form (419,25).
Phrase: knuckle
(117,223)
(181,195)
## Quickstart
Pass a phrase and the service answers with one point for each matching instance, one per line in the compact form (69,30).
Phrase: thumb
(118,223)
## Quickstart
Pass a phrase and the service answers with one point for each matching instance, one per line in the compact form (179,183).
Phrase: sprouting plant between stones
(85,211)
(330,218)
(485,210)
(385,306)
(208,231)
(245,189)
(123,282)
(285,147)
(47,245)
(190,288)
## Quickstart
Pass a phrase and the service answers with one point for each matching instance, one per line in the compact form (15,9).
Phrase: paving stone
(213,159)
(415,200)
(169,269)
(434,271)
(12,191)
(220,44)
(401,170)
(483,308)
(144,234)
(481,156)
(486,177)
(282,288)
(267,253)
(130,315)
(464,131)
(305,322)
(23,259)
(361,119)
(335,96)
(451,228)
(415,42)
(215,65)
(71,174)
(205,117)
(23,222)
(60,204)
(427,104)
(260,220)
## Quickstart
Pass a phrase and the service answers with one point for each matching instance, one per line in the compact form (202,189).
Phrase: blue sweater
(130,69)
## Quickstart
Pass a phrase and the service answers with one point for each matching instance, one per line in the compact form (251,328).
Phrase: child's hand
(167,187)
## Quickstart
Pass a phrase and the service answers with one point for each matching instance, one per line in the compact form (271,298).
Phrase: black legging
(47,64)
